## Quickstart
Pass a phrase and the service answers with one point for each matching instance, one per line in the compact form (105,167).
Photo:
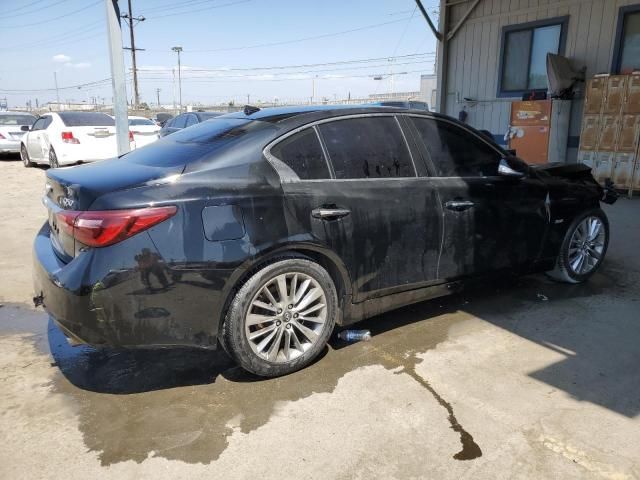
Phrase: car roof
(293,116)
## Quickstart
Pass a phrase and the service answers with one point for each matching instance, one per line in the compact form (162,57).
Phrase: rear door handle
(459,205)
(329,213)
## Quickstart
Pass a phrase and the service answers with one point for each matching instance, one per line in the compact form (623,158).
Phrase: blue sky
(223,42)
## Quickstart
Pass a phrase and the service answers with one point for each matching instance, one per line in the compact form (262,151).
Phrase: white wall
(475,50)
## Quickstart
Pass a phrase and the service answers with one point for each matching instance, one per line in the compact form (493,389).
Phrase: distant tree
(143,106)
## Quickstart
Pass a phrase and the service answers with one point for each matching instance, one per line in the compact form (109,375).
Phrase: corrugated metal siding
(474,51)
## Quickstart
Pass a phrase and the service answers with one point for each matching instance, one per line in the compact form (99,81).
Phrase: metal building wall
(473,60)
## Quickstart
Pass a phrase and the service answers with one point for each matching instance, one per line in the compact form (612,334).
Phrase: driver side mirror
(25,128)
(504,170)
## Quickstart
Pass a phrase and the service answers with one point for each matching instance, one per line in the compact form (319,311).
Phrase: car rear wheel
(281,318)
(53,159)
(583,249)
(25,157)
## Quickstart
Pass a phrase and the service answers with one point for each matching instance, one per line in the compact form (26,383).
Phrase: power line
(95,83)
(200,10)
(34,11)
(54,18)
(303,65)
(25,6)
(191,78)
(54,39)
(303,39)
(173,6)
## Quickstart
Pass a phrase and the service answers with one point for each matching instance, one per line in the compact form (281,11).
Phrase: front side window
(368,147)
(303,154)
(455,152)
(38,125)
(628,41)
(524,55)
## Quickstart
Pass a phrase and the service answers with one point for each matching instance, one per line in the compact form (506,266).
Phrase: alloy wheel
(286,317)
(587,245)
(25,156)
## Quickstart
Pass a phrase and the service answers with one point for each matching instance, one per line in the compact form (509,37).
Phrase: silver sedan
(11,130)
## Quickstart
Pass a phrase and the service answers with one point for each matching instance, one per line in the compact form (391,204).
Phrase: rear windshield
(193,143)
(87,119)
(140,121)
(17,119)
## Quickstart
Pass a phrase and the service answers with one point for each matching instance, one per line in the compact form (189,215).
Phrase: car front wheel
(24,155)
(281,318)
(583,249)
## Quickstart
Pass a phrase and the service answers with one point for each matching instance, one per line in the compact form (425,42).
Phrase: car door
(44,136)
(491,221)
(34,146)
(364,200)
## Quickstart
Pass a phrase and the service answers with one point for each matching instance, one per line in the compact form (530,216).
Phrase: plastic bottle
(355,335)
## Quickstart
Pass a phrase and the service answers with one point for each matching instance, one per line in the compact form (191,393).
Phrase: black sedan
(185,120)
(261,230)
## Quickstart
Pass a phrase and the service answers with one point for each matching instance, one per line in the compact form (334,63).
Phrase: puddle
(185,404)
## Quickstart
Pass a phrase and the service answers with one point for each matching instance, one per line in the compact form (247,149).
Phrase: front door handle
(459,205)
(329,213)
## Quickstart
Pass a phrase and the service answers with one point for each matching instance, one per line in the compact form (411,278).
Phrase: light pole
(178,50)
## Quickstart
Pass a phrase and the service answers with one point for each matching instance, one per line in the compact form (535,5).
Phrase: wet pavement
(522,379)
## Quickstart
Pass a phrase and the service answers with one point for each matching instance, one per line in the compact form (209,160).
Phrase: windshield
(87,119)
(140,121)
(17,119)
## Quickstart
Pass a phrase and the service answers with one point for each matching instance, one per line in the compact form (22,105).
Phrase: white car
(11,132)
(144,131)
(66,138)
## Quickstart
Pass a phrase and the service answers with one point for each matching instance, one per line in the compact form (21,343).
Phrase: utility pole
(173,70)
(248,99)
(158,96)
(118,82)
(178,50)
(55,80)
(129,18)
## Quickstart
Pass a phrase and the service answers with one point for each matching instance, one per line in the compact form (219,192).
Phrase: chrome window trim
(288,175)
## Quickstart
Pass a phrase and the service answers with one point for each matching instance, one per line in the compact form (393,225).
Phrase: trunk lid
(76,188)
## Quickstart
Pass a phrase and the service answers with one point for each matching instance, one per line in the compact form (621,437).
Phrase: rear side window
(370,147)
(87,119)
(303,154)
(179,122)
(455,152)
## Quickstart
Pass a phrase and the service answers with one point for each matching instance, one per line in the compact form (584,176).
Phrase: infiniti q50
(264,229)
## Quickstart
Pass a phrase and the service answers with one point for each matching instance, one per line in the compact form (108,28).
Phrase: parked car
(185,120)
(264,229)
(66,138)
(144,131)
(11,132)
(162,118)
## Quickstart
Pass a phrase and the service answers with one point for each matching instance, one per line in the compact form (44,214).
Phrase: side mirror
(25,128)
(504,170)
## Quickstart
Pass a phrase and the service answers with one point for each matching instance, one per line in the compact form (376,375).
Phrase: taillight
(130,136)
(2,137)
(67,137)
(101,228)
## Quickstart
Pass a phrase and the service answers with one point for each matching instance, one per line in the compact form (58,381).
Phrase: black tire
(563,271)
(24,155)
(53,159)
(234,339)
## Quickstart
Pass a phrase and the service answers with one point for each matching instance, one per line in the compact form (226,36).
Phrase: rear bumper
(97,304)
(9,146)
